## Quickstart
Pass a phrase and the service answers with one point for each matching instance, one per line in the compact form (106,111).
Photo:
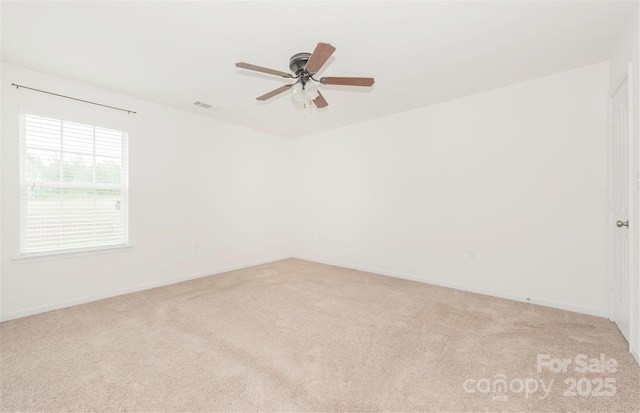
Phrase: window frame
(97,248)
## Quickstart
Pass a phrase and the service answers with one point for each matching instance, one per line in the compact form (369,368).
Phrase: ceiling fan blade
(274,92)
(348,81)
(319,57)
(249,66)
(320,101)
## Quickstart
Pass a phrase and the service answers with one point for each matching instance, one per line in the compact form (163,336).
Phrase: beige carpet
(300,336)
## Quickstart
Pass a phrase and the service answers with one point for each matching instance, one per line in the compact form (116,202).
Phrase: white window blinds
(73,186)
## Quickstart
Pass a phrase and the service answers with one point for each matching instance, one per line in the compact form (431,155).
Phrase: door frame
(633,184)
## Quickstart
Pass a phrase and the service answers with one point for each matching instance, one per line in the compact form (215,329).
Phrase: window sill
(58,255)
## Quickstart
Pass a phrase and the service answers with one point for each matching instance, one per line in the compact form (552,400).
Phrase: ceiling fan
(304,66)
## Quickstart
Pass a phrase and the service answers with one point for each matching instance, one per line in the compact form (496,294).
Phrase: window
(73,186)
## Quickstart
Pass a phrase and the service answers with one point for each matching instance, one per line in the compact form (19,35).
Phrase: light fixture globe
(298,92)
(312,90)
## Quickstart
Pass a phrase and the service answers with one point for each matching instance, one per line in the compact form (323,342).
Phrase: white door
(620,253)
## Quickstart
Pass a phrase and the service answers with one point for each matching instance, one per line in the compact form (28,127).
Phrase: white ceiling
(420,53)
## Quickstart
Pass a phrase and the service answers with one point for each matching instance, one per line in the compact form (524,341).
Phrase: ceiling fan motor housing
(298,61)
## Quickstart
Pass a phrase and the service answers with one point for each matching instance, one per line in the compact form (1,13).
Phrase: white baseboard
(635,355)
(499,294)
(88,299)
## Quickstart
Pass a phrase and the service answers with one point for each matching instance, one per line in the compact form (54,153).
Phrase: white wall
(192,179)
(627,50)
(518,174)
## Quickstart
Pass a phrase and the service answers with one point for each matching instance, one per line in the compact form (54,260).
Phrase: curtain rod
(69,97)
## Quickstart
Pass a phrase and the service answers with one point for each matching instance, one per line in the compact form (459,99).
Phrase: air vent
(204,105)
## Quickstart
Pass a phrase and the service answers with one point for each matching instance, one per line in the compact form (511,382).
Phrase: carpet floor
(294,335)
